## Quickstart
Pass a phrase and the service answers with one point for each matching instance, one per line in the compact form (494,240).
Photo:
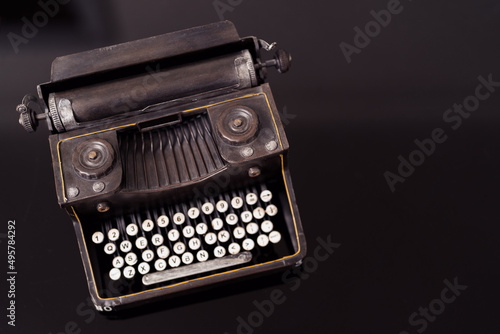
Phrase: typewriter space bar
(197,268)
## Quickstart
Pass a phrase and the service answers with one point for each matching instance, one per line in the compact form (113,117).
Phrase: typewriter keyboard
(174,242)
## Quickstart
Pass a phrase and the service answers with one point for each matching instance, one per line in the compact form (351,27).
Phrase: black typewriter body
(170,158)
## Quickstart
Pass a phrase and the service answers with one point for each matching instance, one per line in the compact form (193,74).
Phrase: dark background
(348,124)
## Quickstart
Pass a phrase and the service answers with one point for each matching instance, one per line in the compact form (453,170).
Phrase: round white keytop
(207,208)
(237,202)
(266,226)
(222,206)
(143,268)
(118,262)
(129,272)
(179,218)
(274,237)
(98,237)
(234,248)
(109,248)
(115,274)
(147,225)
(141,243)
(262,240)
(163,252)
(131,259)
(248,244)
(251,198)
(193,213)
(157,239)
(160,264)
(271,210)
(113,234)
(266,196)
(125,246)
(162,221)
(132,229)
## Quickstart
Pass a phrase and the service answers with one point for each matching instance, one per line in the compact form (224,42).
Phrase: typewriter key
(160,265)
(248,244)
(174,261)
(98,237)
(173,235)
(179,248)
(239,232)
(271,210)
(163,252)
(252,228)
(163,221)
(148,255)
(222,206)
(202,255)
(193,213)
(188,231)
(259,213)
(207,208)
(147,225)
(125,246)
(132,229)
(118,262)
(251,199)
(194,243)
(274,237)
(262,240)
(113,234)
(223,236)
(131,259)
(201,228)
(219,251)
(187,258)
(266,226)
(141,243)
(237,202)
(129,272)
(246,216)
(210,238)
(231,219)
(234,248)
(266,196)
(109,248)
(157,239)
(115,274)
(143,268)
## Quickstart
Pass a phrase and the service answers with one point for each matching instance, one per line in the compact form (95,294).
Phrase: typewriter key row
(219,236)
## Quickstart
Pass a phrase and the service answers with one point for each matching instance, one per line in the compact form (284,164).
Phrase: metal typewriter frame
(65,73)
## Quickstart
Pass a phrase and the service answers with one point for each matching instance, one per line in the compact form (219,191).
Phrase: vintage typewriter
(171,160)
